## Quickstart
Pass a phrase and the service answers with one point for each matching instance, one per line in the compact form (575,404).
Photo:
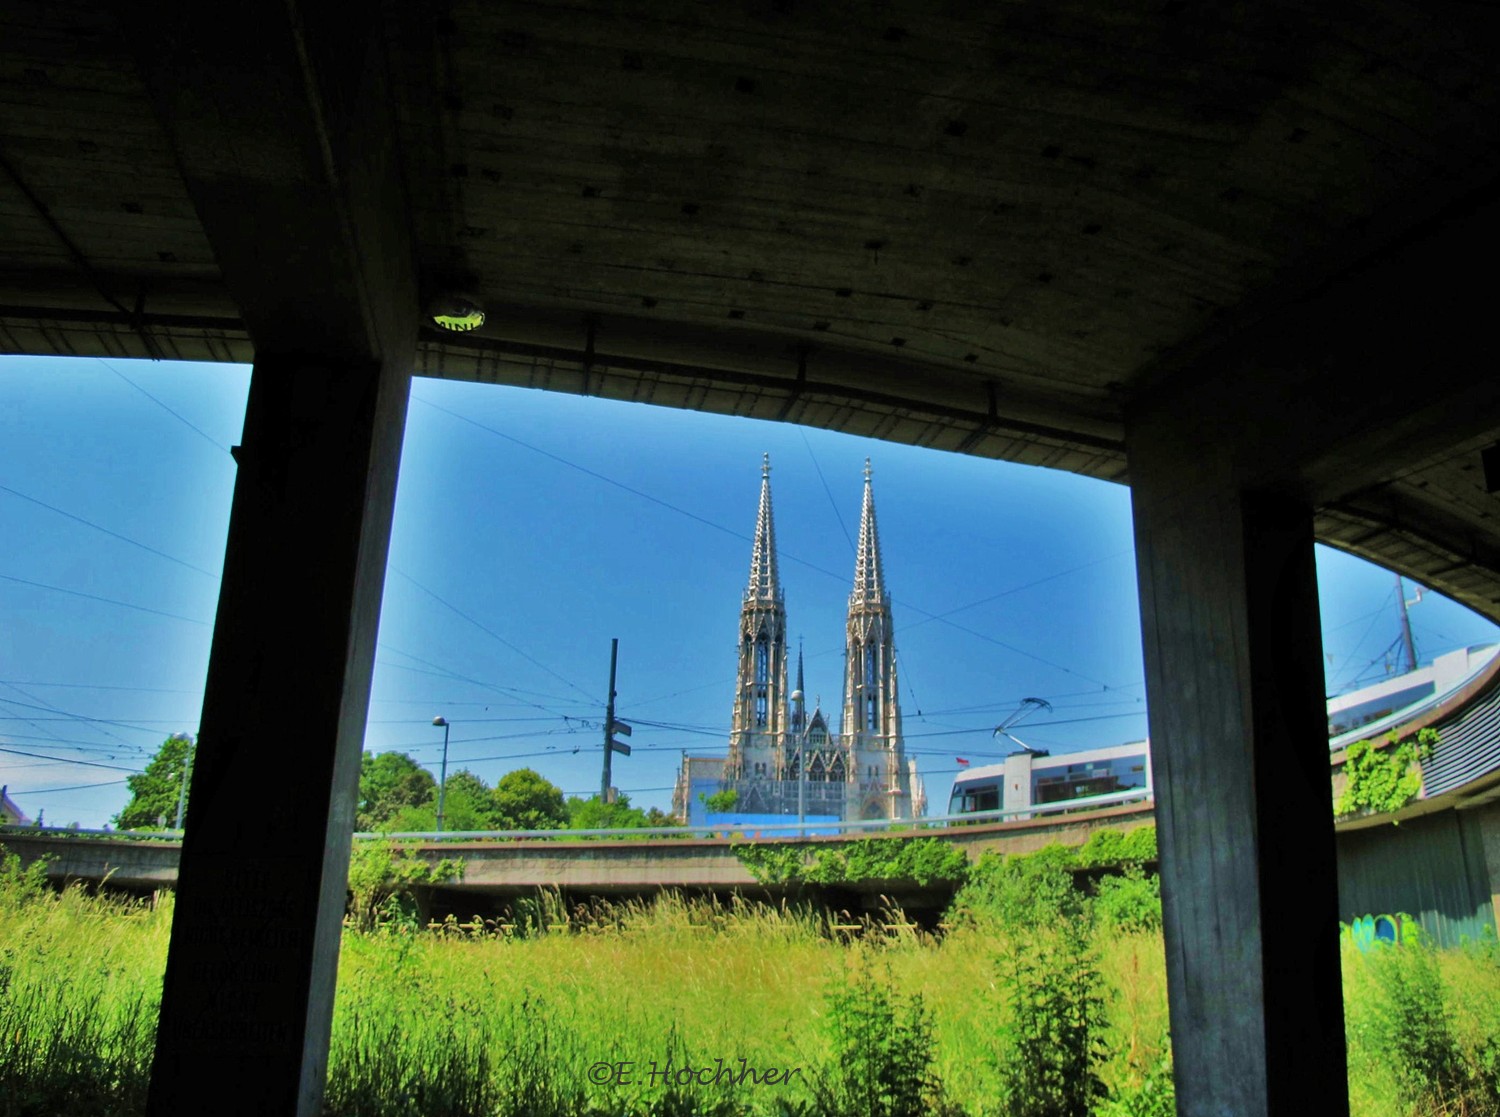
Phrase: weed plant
(880,1059)
(1411,1050)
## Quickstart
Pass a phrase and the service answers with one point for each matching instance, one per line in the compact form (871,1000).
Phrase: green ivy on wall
(922,860)
(1381,780)
(925,860)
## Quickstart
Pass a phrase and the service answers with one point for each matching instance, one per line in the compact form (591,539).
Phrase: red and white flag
(962,763)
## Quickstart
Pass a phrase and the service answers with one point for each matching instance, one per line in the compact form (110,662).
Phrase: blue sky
(530,529)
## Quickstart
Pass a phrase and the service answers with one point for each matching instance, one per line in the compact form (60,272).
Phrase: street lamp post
(443,777)
(187,766)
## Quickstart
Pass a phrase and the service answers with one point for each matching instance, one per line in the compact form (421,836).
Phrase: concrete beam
(1349,385)
(280,122)
(1234,684)
(281,126)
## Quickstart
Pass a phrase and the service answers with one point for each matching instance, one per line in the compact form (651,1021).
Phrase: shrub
(1130,901)
(1021,891)
(20,886)
(1118,848)
(382,877)
(921,860)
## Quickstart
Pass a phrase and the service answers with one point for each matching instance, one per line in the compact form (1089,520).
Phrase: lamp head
(456,311)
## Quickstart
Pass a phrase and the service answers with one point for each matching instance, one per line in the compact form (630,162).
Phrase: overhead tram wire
(1338,687)
(467,721)
(73,787)
(499,687)
(68,744)
(100,686)
(66,760)
(1016,589)
(746,538)
(530,734)
(112,534)
(53,741)
(34,724)
(83,717)
(105,600)
(493,635)
(210,439)
(837,515)
(105,726)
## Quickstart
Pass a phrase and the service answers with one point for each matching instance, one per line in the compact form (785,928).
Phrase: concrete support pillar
(1489,833)
(248,997)
(1234,681)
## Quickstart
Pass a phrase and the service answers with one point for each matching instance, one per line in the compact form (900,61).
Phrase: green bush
(1021,890)
(382,877)
(20,886)
(921,860)
(1122,848)
(1130,901)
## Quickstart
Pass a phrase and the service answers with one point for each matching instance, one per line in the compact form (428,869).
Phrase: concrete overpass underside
(1233,257)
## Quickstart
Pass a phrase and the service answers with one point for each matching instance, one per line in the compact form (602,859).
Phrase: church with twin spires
(783,759)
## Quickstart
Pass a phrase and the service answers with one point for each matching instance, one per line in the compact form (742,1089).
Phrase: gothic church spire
(871,710)
(765,579)
(759,725)
(869,572)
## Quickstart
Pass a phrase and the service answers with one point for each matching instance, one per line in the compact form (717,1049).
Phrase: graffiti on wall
(1367,930)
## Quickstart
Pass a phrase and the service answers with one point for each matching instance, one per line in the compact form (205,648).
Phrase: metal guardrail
(790,829)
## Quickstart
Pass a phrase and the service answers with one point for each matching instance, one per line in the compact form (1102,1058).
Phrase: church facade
(784,759)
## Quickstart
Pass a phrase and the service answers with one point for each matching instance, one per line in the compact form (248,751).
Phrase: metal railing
(749,831)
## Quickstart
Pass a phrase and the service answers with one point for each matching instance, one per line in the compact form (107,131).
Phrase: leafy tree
(595,814)
(467,805)
(154,792)
(389,783)
(722,802)
(525,800)
(658,817)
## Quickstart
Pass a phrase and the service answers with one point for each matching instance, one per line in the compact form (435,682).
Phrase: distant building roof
(10,813)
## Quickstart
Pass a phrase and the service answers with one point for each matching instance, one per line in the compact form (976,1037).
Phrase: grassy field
(432,1024)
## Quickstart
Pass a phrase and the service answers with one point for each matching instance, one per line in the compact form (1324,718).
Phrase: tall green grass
(433,1024)
(80,988)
